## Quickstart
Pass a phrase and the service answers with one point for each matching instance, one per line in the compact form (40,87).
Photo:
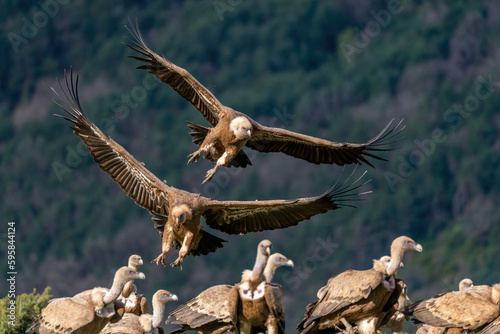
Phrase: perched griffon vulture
(146,323)
(215,310)
(86,312)
(232,130)
(134,302)
(177,213)
(461,310)
(218,309)
(358,297)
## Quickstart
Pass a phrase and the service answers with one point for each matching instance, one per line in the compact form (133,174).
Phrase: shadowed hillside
(337,70)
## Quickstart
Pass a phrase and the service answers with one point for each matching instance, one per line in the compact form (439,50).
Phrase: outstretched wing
(135,180)
(240,217)
(177,78)
(321,151)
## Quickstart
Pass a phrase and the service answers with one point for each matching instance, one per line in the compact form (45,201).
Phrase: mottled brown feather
(263,139)
(233,217)
(455,309)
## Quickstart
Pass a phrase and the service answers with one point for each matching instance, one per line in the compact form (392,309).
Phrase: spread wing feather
(177,78)
(135,180)
(240,217)
(321,151)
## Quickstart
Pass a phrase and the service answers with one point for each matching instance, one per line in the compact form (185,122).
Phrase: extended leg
(193,157)
(168,236)
(220,162)
(183,252)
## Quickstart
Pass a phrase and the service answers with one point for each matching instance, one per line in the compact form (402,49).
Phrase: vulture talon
(176,263)
(176,212)
(210,175)
(232,130)
(159,260)
(193,157)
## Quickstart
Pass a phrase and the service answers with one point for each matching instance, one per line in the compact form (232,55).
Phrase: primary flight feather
(232,130)
(177,213)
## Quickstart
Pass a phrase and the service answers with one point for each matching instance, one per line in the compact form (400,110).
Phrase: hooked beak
(419,248)
(174,298)
(140,262)
(141,276)
(268,250)
(289,263)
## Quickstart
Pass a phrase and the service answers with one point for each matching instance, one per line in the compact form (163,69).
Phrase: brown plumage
(394,318)
(358,297)
(275,313)
(134,261)
(233,130)
(133,302)
(463,285)
(86,312)
(218,309)
(461,310)
(177,213)
(145,323)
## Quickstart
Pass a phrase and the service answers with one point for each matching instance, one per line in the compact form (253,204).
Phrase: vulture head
(465,284)
(404,244)
(122,276)
(264,248)
(241,128)
(274,262)
(134,261)
(398,248)
(278,260)
(181,214)
(163,296)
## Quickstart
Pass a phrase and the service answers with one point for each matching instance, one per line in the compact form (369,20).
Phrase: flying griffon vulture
(177,213)
(232,130)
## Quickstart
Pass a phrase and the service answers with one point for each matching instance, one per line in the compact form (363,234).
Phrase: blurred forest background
(339,70)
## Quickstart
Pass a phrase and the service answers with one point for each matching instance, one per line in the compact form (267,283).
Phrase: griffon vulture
(232,130)
(215,310)
(358,297)
(86,312)
(274,310)
(177,213)
(134,303)
(463,285)
(461,310)
(134,261)
(146,323)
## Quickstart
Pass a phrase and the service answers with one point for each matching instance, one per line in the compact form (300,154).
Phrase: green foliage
(281,63)
(17,318)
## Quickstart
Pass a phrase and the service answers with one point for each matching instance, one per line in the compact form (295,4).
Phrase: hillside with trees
(339,70)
